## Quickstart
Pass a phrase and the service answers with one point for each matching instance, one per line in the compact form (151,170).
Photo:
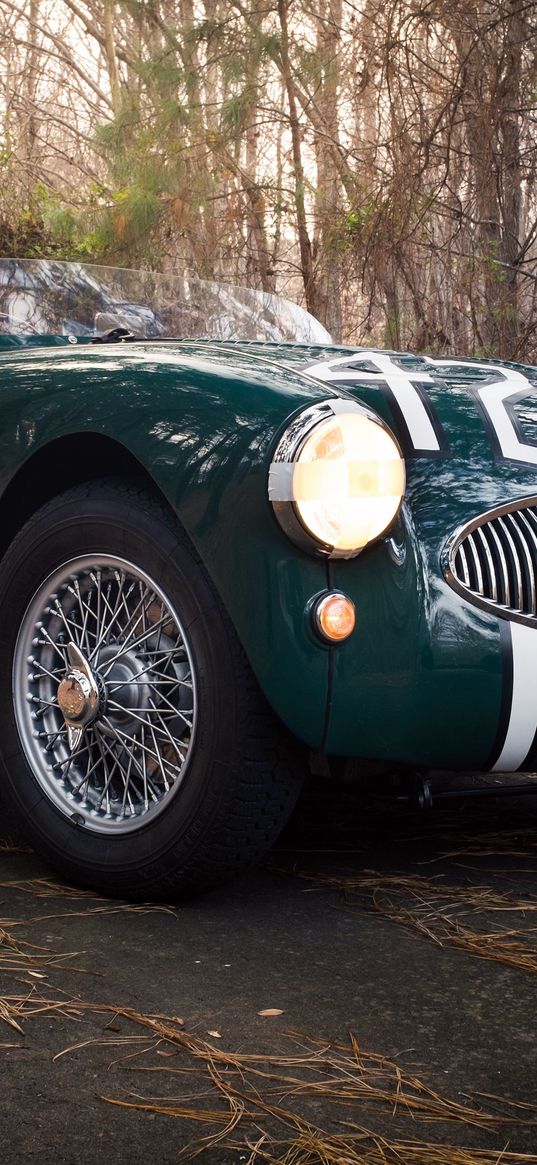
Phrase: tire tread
(265,777)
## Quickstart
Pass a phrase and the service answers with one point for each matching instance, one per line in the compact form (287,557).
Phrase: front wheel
(136,745)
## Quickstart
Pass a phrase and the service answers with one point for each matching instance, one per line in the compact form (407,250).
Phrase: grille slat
(504,590)
(525,563)
(494,560)
(476,574)
(531,515)
(530,541)
(463,561)
(513,565)
(488,562)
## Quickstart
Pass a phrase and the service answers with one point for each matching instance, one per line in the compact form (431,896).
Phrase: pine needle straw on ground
(267,1106)
(261,1094)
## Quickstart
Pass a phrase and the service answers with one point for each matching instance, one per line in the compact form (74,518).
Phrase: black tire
(239,776)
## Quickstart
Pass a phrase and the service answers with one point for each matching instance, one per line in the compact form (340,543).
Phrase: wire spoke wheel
(104,694)
(136,747)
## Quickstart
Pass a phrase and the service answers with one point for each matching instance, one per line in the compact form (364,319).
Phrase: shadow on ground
(395,951)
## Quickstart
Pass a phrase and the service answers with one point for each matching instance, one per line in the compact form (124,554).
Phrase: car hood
(467,428)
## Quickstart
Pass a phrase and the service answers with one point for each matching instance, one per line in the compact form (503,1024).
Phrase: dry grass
(312,1147)
(18,956)
(38,963)
(266,1107)
(48,888)
(8,846)
(449,915)
(262,1096)
(481,906)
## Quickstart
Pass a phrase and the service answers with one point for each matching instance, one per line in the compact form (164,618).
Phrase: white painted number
(421,431)
(510,386)
(507,385)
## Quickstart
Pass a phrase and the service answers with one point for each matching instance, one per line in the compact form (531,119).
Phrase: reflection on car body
(221,554)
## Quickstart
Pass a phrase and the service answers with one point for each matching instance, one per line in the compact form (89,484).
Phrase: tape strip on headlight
(337,479)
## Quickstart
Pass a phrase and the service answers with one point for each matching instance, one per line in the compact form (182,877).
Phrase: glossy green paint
(422,659)
(203,426)
(429,660)
(420,679)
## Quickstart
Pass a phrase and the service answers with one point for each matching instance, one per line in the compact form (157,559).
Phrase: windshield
(45,297)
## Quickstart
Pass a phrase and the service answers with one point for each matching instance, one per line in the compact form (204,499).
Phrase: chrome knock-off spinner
(78,696)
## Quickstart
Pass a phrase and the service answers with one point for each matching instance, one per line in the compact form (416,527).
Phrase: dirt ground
(397,952)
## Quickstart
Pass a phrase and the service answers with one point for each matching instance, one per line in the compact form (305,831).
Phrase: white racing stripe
(523,716)
(418,422)
(493,398)
(510,386)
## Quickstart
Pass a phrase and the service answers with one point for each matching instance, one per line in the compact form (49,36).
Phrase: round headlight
(337,479)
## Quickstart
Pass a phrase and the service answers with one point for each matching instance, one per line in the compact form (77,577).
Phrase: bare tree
(375,158)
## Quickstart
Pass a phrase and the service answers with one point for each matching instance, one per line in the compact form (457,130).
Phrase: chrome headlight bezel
(282,469)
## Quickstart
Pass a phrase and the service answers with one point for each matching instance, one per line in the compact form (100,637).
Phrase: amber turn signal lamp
(334,617)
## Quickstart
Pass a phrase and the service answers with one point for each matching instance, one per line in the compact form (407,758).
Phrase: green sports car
(221,555)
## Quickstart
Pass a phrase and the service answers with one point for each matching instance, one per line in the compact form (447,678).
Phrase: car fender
(203,429)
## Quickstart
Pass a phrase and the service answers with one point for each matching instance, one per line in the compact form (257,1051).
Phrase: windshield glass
(45,297)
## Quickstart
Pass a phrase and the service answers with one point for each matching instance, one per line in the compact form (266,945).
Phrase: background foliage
(374,159)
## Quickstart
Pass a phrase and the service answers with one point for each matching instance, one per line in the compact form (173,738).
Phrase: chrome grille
(493,560)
